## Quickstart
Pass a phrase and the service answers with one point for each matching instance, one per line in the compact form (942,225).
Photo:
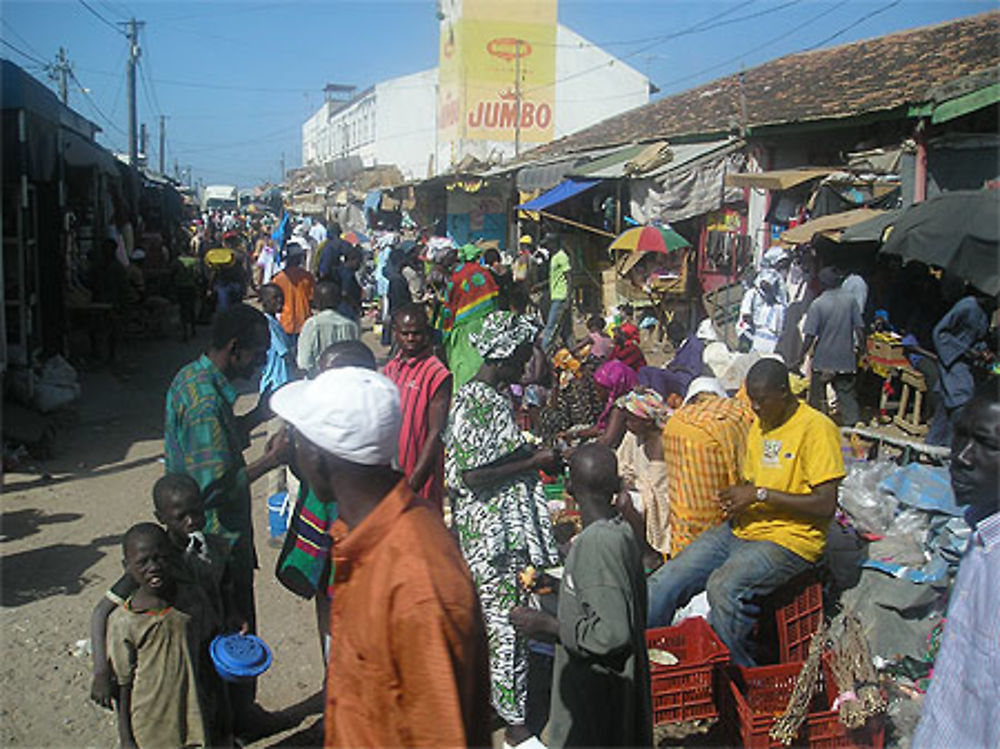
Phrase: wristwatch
(761,494)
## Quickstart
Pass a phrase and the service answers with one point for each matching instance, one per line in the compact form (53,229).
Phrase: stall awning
(559,193)
(827,225)
(871,230)
(779,179)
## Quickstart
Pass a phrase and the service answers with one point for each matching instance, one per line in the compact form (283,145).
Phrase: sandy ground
(60,534)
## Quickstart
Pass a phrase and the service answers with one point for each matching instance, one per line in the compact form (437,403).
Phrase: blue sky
(236,80)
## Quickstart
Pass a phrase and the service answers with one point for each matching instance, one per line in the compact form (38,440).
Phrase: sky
(236,80)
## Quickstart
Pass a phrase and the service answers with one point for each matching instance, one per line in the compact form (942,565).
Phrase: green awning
(962,105)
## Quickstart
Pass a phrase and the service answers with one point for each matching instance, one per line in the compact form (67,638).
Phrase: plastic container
(755,697)
(686,690)
(797,623)
(278,512)
(240,658)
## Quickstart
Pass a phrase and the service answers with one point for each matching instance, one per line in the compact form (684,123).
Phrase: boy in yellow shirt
(776,522)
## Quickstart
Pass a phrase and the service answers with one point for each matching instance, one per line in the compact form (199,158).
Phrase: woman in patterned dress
(498,504)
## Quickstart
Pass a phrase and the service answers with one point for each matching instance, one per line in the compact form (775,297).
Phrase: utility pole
(517,98)
(59,72)
(134,51)
(281,177)
(142,143)
(163,143)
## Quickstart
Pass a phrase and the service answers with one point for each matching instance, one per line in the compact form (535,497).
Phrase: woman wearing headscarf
(642,467)
(762,311)
(498,503)
(471,296)
(573,400)
(611,381)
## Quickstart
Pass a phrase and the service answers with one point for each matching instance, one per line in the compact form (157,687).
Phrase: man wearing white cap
(408,655)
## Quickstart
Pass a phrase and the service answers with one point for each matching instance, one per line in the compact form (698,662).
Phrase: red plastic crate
(686,690)
(755,697)
(797,623)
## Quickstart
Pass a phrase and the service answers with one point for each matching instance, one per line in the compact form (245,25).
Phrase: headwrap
(618,379)
(563,359)
(704,385)
(501,334)
(567,365)
(774,257)
(645,404)
(706,331)
(469,252)
(438,248)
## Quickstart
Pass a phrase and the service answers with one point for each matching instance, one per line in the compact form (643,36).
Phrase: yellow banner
(492,52)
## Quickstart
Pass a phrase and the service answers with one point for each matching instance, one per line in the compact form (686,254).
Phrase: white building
(398,121)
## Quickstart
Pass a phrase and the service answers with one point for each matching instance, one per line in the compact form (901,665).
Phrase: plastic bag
(905,541)
(924,487)
(871,509)
(58,371)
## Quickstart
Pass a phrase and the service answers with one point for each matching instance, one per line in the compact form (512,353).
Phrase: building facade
(502,86)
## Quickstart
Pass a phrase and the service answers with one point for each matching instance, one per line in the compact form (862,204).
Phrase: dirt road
(60,537)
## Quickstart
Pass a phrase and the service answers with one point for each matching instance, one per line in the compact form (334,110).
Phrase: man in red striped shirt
(425,396)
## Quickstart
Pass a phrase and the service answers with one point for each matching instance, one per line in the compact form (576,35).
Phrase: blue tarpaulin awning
(563,191)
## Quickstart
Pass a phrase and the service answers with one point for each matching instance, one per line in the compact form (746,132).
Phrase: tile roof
(868,76)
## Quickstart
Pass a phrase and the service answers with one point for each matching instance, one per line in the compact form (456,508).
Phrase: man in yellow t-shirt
(776,522)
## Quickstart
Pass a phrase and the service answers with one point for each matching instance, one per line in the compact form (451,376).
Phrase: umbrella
(649,239)
(354,237)
(957,231)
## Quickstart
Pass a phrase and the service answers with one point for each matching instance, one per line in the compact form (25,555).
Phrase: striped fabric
(704,445)
(202,440)
(418,379)
(471,293)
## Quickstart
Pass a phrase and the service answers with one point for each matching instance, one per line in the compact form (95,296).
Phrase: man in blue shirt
(279,369)
(961,706)
(958,339)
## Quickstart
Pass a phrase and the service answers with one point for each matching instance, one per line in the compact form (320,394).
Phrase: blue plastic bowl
(240,658)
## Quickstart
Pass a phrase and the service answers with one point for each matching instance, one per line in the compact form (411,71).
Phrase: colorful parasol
(649,239)
(354,237)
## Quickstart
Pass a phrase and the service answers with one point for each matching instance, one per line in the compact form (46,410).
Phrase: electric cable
(101,18)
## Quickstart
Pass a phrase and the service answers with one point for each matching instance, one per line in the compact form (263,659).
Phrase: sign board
(484,45)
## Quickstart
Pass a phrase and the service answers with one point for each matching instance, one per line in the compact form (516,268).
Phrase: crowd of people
(425,526)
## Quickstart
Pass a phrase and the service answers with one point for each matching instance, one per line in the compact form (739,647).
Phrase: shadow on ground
(20,524)
(53,570)
(291,716)
(47,480)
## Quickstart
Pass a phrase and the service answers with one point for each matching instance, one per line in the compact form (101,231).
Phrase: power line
(93,104)
(121,85)
(850,26)
(147,70)
(20,38)
(101,18)
(758,48)
(699,26)
(23,53)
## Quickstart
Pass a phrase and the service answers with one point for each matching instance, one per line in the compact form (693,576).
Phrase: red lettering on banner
(490,114)
(475,120)
(502,114)
(508,114)
(527,115)
(543,116)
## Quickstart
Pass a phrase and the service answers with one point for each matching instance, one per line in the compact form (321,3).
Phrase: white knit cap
(350,412)
(704,385)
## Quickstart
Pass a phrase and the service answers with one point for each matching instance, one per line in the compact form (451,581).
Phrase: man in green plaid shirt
(205,439)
